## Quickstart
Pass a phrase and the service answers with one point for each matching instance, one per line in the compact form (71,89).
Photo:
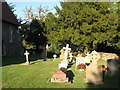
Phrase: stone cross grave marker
(26,54)
(67,49)
(54,56)
(94,56)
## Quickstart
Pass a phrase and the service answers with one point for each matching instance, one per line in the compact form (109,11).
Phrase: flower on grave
(81,66)
(104,68)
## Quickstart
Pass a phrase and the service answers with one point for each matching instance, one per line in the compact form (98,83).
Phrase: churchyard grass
(38,75)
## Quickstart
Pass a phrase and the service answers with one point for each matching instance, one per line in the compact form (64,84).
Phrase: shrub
(54,48)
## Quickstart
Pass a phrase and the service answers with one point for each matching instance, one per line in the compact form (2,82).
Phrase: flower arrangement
(104,68)
(81,66)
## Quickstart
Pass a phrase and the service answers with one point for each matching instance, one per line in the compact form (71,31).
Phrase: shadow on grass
(110,81)
(18,60)
(70,76)
(70,65)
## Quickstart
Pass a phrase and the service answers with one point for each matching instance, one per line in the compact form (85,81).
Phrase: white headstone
(26,54)
(64,64)
(80,60)
(54,56)
(87,58)
(67,49)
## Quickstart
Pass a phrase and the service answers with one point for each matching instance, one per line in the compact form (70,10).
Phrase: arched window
(10,34)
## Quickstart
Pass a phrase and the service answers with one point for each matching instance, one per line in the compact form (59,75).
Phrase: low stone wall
(106,56)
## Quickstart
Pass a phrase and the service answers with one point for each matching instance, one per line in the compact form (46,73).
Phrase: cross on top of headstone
(66,51)
(67,47)
(26,54)
(87,53)
(95,56)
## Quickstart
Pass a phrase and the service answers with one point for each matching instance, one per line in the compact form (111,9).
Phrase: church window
(10,34)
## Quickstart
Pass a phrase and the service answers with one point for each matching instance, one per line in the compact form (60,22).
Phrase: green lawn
(39,73)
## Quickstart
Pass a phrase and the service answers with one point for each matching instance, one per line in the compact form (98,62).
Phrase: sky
(20,5)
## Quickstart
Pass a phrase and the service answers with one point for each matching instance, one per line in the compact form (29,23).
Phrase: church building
(11,40)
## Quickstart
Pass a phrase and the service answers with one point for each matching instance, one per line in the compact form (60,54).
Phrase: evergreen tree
(83,24)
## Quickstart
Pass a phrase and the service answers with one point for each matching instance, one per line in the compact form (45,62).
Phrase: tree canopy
(83,24)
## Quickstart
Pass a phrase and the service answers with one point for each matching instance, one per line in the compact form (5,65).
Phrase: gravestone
(67,50)
(94,73)
(26,55)
(54,56)
(112,66)
(62,54)
(94,56)
(63,64)
(59,76)
(106,56)
(80,60)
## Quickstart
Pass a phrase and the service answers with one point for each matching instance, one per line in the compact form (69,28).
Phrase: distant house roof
(7,14)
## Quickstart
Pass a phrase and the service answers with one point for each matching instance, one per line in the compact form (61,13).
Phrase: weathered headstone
(94,73)
(67,49)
